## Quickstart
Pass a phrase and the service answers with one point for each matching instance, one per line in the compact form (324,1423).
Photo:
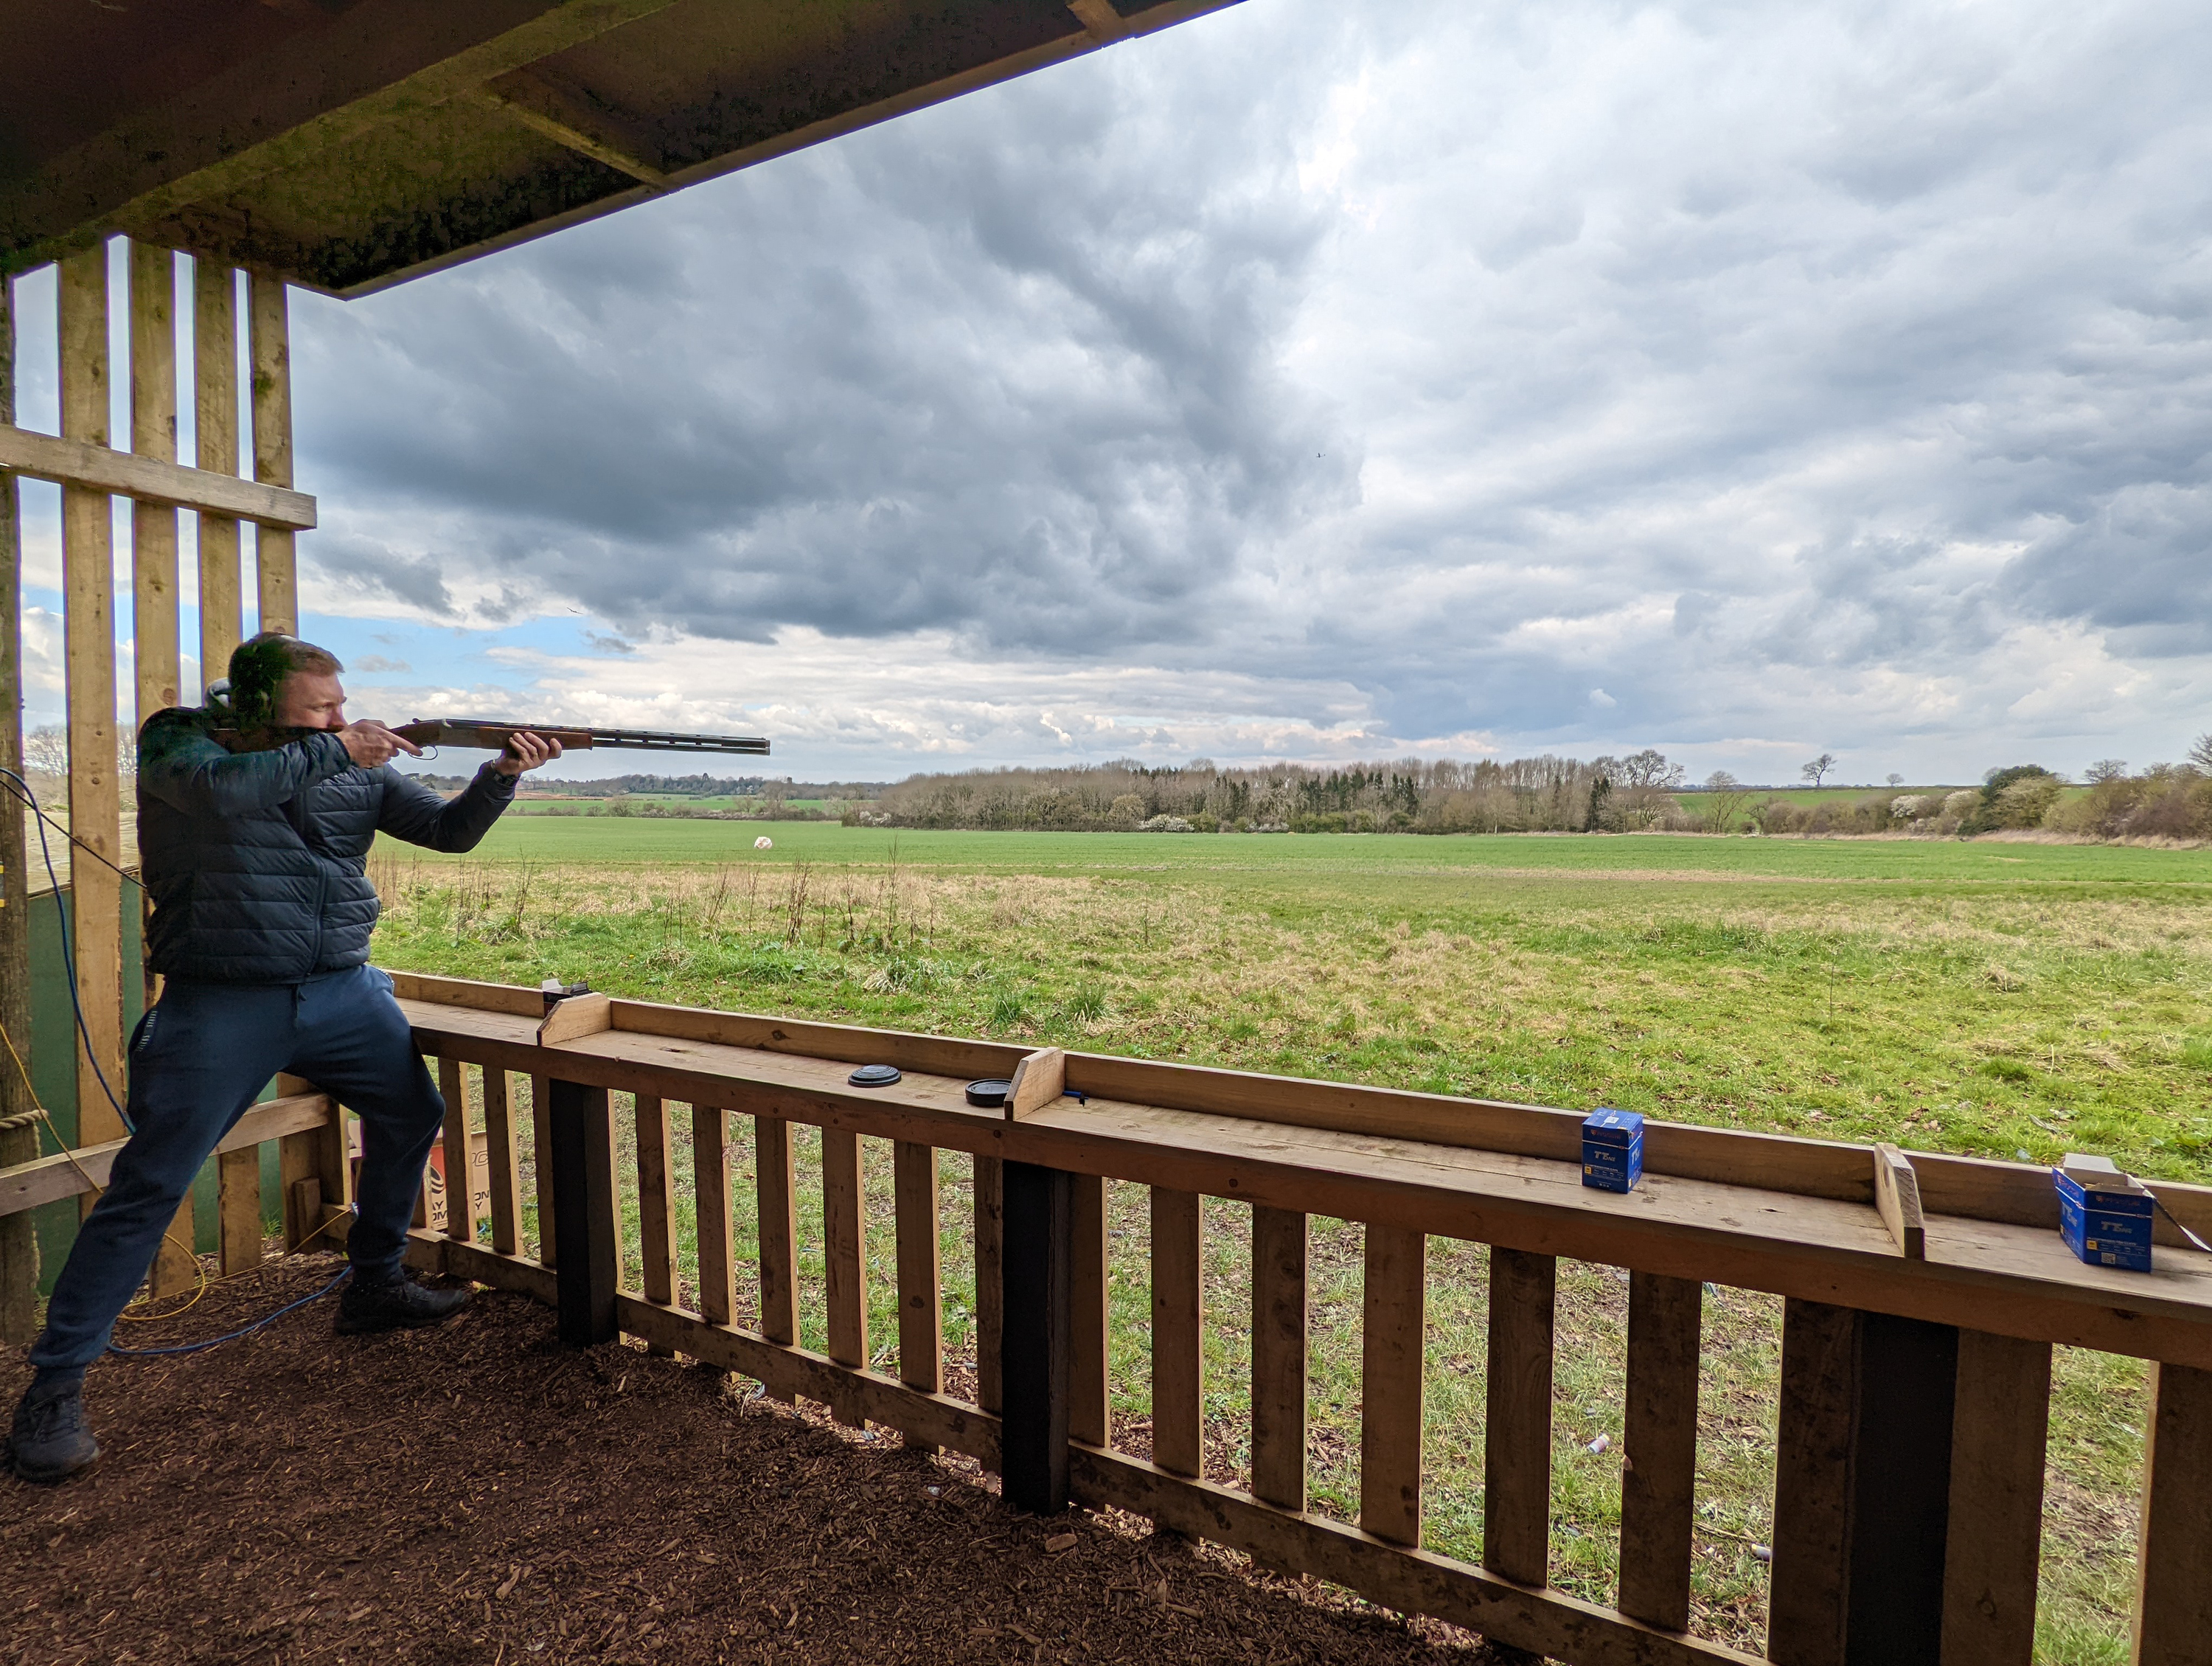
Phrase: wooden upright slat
(921,1314)
(1391,1355)
(505,1166)
(775,1186)
(1090,1408)
(270,349)
(710,1144)
(88,651)
(155,647)
(1517,1432)
(845,1257)
(214,414)
(656,1202)
(541,1168)
(238,1209)
(1814,1443)
(990,1282)
(1993,1544)
(1658,1479)
(1178,1381)
(460,1222)
(1279,1357)
(2174,1561)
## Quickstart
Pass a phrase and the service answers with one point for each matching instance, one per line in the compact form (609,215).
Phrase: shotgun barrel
(489,734)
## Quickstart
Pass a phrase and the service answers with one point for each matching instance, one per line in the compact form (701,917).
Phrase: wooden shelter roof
(349,145)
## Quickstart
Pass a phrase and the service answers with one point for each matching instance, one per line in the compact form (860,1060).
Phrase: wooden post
(656,1204)
(591,1261)
(1178,1323)
(1994,1545)
(990,1282)
(541,1162)
(320,1155)
(238,1209)
(1861,1493)
(1090,1401)
(95,806)
(1279,1357)
(460,1213)
(214,412)
(1517,1530)
(710,1171)
(921,1315)
(506,1167)
(775,1192)
(269,346)
(19,1243)
(844,1228)
(1658,1481)
(1037,1343)
(1392,1354)
(2174,1594)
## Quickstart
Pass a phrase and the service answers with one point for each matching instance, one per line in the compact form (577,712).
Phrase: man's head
(280,682)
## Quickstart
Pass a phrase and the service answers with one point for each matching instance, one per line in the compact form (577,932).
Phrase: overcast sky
(1320,382)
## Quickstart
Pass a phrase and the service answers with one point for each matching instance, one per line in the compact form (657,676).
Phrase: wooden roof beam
(315,91)
(572,118)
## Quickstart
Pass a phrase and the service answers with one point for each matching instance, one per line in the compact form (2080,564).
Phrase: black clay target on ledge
(874,1075)
(990,1094)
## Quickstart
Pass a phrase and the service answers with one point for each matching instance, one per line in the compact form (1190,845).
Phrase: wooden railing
(1914,1393)
(1917,1338)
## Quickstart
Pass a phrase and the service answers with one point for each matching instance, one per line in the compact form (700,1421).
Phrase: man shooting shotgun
(255,818)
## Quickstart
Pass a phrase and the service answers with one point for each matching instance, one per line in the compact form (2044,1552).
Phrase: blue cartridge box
(1612,1149)
(2105,1216)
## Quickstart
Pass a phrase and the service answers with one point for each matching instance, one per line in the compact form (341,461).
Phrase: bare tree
(1896,780)
(1724,801)
(2200,753)
(2109,768)
(46,750)
(1819,767)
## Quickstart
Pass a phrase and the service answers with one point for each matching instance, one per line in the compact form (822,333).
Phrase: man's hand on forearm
(369,744)
(525,750)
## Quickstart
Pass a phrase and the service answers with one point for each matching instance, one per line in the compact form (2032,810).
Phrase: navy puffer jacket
(257,862)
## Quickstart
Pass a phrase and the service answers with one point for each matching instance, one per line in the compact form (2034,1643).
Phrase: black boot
(50,1440)
(396,1303)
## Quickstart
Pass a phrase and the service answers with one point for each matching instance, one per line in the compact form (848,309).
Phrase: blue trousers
(198,1061)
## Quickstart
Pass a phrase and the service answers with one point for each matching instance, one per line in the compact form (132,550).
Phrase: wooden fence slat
(921,1311)
(656,1202)
(454,1087)
(238,1209)
(1178,1318)
(1517,1511)
(1392,1352)
(2173,1593)
(155,647)
(1994,1546)
(1279,1357)
(88,674)
(1090,1402)
(775,1188)
(269,345)
(990,1286)
(1658,1481)
(541,1168)
(844,1226)
(710,1173)
(503,1164)
(214,412)
(1809,1585)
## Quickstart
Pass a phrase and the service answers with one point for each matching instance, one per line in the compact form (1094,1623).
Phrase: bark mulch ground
(475,1493)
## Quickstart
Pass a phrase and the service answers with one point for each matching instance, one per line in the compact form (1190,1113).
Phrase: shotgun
(489,735)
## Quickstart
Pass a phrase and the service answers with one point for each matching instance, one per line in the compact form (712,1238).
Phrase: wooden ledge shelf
(149,480)
(1993,1273)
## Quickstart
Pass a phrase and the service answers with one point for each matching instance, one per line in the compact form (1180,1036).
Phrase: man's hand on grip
(369,744)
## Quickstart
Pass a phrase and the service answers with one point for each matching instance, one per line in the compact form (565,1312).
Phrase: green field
(2009,999)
